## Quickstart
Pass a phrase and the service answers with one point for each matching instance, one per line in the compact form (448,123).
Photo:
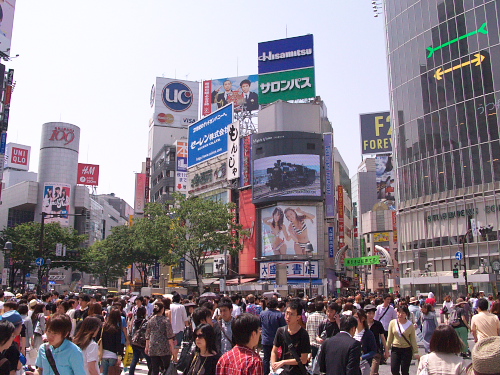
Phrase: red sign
(19,156)
(207,97)
(248,217)
(394,227)
(247,147)
(140,188)
(88,174)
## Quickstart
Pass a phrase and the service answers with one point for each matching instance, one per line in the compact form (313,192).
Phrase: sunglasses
(199,336)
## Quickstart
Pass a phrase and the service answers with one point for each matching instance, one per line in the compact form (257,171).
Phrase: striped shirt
(313,322)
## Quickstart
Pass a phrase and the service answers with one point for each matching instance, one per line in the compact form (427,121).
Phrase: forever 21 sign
(63,134)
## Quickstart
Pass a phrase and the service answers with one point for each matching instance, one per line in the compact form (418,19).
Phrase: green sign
(287,85)
(363,261)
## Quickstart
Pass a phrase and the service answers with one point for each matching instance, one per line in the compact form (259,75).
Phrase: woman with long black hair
(112,341)
(206,355)
(84,339)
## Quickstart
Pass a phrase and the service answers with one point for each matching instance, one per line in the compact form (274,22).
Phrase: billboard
(17,156)
(174,102)
(329,177)
(278,175)
(207,138)
(56,200)
(233,151)
(376,133)
(140,192)
(385,178)
(88,174)
(288,229)
(248,219)
(242,91)
(294,175)
(286,54)
(245,161)
(181,174)
(294,270)
(7,8)
(287,85)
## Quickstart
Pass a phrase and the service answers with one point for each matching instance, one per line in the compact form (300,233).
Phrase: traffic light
(455,273)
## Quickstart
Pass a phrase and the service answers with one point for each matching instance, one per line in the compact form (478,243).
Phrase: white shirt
(387,317)
(236,311)
(179,317)
(91,354)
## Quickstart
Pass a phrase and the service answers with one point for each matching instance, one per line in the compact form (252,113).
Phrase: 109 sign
(177,96)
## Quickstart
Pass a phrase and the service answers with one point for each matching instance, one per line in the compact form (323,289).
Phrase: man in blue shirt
(270,320)
(67,356)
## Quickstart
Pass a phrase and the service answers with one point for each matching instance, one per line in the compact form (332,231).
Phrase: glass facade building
(444,69)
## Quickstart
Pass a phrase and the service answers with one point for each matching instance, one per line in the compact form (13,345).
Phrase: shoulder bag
(50,358)
(425,370)
(385,312)
(403,335)
(295,355)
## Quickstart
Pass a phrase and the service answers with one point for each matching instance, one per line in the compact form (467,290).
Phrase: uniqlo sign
(88,174)
(17,156)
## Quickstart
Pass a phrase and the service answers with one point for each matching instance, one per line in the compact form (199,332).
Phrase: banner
(242,91)
(385,178)
(245,159)
(287,85)
(88,174)
(288,230)
(331,242)
(363,261)
(376,133)
(233,151)
(7,22)
(181,174)
(56,200)
(207,138)
(329,177)
(286,54)
(295,269)
(340,209)
(140,191)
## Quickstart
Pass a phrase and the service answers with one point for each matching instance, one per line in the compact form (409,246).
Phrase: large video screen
(288,229)
(286,165)
(295,175)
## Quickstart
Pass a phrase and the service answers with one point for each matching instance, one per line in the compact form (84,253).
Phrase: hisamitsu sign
(376,133)
(363,261)
(286,54)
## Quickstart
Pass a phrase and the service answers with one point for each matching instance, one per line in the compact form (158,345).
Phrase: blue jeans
(138,353)
(267,349)
(107,363)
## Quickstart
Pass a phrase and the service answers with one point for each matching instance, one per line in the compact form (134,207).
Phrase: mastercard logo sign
(165,118)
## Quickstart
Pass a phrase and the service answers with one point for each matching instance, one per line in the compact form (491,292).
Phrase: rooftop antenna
(286,31)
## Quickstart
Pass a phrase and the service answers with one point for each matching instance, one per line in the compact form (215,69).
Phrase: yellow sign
(381,237)
(440,72)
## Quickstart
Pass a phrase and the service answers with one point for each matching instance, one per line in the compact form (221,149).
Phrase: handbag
(38,327)
(186,356)
(115,370)
(187,335)
(129,355)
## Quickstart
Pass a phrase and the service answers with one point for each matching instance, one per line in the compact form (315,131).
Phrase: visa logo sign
(188,120)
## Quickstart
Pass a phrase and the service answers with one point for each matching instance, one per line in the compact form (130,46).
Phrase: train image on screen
(286,175)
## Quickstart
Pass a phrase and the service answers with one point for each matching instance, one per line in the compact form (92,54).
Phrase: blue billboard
(286,54)
(208,137)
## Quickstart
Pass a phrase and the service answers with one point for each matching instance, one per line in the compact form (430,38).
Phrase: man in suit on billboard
(250,99)
(222,98)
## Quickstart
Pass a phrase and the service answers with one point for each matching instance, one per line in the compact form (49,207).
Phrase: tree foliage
(25,240)
(201,227)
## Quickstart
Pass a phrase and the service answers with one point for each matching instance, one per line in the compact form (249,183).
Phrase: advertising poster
(242,91)
(7,9)
(56,200)
(207,138)
(181,174)
(376,133)
(287,175)
(287,229)
(286,54)
(88,174)
(175,102)
(385,178)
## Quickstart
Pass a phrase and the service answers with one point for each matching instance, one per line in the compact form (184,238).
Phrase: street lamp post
(308,264)
(465,264)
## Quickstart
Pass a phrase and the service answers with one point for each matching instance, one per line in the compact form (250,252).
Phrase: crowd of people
(72,334)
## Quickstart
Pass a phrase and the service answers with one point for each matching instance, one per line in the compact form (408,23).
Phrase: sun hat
(413,300)
(370,307)
(486,356)
(459,301)
(33,303)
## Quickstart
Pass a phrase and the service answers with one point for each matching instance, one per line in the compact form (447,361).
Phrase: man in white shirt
(179,322)
(385,313)
(236,308)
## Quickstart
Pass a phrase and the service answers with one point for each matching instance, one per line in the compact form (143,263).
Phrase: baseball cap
(370,307)
(13,316)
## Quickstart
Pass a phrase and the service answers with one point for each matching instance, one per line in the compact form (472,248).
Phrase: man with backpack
(458,320)
(137,336)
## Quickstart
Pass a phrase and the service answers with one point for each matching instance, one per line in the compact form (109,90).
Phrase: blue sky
(92,63)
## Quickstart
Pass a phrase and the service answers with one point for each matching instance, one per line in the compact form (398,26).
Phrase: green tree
(200,227)
(151,238)
(25,240)
(109,258)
